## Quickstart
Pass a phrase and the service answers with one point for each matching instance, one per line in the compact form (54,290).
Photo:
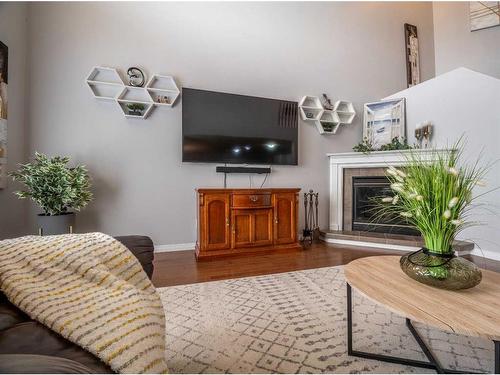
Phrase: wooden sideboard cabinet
(235,221)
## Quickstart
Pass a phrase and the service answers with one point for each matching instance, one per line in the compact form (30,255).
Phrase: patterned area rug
(296,323)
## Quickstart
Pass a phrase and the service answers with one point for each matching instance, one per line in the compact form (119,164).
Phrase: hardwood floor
(180,267)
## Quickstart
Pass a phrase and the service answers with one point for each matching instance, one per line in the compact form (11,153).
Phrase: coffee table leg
(433,362)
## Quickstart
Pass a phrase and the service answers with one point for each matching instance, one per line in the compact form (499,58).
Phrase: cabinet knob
(227,221)
(275,220)
(254,198)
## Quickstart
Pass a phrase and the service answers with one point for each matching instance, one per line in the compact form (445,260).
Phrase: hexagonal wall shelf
(105,83)
(310,108)
(163,90)
(134,102)
(328,123)
(345,110)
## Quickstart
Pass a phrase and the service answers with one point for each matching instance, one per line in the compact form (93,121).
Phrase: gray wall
(13,32)
(353,51)
(456,46)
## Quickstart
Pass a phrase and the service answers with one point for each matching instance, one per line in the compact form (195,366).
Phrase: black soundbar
(259,170)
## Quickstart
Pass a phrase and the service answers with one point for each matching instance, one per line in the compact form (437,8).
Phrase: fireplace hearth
(366,193)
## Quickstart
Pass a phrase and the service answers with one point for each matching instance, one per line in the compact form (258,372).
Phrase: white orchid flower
(457,222)
(406,214)
(419,198)
(395,199)
(447,214)
(387,199)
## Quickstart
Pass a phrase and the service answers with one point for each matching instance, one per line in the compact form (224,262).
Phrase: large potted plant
(436,197)
(57,189)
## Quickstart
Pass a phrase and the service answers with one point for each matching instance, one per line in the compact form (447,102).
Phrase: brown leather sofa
(27,346)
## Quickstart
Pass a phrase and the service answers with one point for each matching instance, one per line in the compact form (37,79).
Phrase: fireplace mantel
(376,159)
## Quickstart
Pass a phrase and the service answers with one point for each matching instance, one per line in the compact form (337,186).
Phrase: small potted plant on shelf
(135,109)
(57,189)
(436,198)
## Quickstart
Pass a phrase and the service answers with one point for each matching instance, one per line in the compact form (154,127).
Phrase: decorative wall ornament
(423,133)
(134,101)
(136,77)
(383,121)
(484,14)
(4,77)
(412,55)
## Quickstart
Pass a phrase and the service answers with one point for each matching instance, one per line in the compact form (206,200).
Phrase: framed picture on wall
(4,69)
(383,121)
(412,55)
(4,78)
(484,14)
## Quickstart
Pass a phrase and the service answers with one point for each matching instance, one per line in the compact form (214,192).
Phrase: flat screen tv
(237,129)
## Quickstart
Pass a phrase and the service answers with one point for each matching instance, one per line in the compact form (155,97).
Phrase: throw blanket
(91,290)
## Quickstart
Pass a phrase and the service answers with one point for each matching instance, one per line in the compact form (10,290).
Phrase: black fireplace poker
(311,230)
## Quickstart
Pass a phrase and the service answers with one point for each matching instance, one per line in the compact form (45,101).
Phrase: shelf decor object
(135,102)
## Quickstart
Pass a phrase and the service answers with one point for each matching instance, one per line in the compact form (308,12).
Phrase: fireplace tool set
(311,230)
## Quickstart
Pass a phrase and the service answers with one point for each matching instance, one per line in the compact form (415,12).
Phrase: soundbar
(258,170)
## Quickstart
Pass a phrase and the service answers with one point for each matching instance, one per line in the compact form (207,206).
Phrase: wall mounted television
(236,129)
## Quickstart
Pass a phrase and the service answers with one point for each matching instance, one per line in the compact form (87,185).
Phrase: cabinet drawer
(251,200)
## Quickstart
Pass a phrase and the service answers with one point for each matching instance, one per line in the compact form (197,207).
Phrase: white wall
(13,32)
(456,45)
(465,103)
(352,51)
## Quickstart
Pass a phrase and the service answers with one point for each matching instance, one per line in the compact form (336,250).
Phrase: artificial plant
(52,185)
(434,196)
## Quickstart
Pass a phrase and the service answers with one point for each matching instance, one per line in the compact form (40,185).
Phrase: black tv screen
(228,128)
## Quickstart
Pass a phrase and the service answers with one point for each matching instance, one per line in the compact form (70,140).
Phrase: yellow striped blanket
(91,290)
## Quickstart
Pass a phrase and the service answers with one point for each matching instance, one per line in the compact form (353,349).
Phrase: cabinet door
(285,218)
(262,227)
(215,217)
(242,221)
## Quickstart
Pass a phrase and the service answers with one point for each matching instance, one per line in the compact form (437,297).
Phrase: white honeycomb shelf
(310,108)
(326,121)
(134,102)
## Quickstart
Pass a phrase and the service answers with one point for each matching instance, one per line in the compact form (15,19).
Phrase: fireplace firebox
(365,193)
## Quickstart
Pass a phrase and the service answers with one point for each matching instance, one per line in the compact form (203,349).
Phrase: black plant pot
(56,224)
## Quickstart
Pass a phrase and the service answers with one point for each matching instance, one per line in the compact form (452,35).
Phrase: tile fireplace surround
(356,163)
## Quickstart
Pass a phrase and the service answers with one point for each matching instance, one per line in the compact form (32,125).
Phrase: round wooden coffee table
(472,312)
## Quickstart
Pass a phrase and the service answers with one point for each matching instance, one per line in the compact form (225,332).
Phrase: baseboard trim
(370,244)
(487,254)
(174,247)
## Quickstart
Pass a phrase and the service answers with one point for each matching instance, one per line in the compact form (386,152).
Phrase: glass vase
(445,271)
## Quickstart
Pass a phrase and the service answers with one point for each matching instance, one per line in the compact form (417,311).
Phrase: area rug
(295,322)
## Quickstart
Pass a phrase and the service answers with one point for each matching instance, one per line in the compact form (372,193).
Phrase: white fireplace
(341,161)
